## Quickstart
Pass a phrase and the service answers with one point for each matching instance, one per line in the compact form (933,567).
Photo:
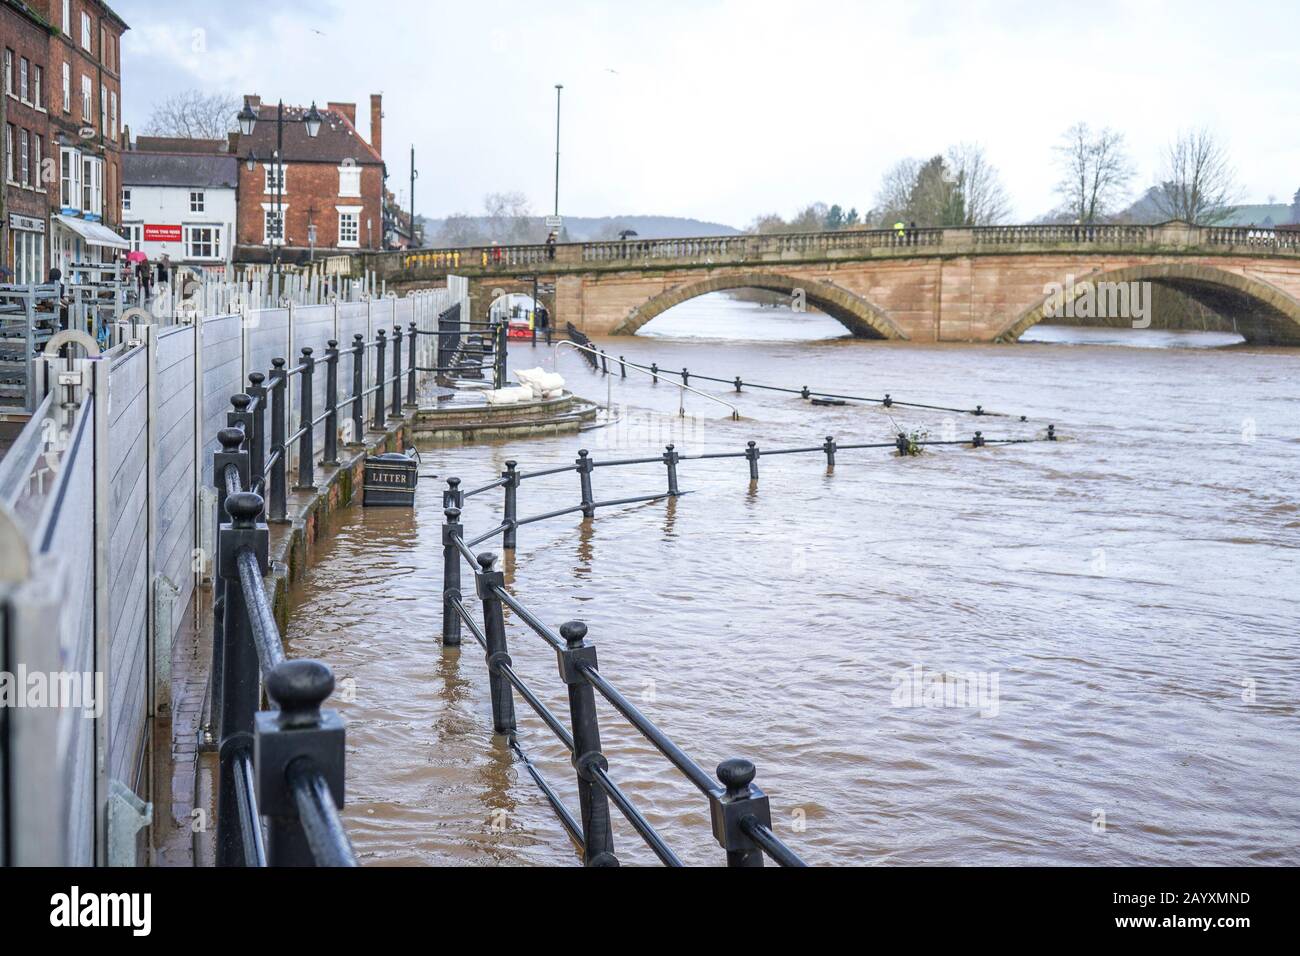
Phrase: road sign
(555,222)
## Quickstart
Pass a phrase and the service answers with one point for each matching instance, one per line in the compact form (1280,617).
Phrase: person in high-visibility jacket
(900,230)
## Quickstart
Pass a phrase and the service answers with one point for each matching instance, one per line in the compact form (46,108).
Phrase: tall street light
(247,122)
(559,87)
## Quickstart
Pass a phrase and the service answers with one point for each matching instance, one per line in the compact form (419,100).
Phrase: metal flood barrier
(108,506)
(740,812)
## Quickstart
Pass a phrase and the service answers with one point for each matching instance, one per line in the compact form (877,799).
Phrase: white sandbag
(508,396)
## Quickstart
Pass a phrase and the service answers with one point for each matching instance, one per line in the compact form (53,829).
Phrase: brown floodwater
(1073,653)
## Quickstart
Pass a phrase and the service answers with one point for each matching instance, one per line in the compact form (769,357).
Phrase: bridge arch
(852,311)
(1264,314)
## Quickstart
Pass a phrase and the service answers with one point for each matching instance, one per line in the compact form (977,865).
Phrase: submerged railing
(740,812)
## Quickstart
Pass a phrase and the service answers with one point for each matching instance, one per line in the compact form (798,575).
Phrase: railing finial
(243,509)
(230,439)
(736,775)
(300,687)
(574,633)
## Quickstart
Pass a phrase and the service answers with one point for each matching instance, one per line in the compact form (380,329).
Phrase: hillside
(479,230)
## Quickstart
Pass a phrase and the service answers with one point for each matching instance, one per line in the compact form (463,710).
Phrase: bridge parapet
(841,245)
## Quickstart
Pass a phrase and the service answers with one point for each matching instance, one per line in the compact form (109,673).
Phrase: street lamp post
(559,88)
(247,122)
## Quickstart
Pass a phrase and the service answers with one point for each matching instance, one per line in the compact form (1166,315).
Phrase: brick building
(84,93)
(24,119)
(333,182)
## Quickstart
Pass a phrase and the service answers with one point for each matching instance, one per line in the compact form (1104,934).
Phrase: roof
(31,14)
(338,138)
(179,169)
(178,144)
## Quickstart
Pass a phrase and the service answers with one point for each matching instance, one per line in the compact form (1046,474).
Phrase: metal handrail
(735,412)
(747,836)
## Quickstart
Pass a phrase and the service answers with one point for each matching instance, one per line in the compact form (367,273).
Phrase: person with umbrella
(138,261)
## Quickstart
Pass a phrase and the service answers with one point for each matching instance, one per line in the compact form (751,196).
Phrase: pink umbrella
(136,256)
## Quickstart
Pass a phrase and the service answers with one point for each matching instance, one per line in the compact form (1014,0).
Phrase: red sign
(155,233)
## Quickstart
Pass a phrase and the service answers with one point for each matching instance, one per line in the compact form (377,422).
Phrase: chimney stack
(377,122)
(344,109)
(254,101)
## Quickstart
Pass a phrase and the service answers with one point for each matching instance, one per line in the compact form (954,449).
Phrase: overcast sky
(725,109)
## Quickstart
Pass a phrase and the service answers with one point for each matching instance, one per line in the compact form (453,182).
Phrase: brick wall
(311,194)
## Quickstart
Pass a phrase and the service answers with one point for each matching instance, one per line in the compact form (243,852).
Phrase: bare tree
(509,218)
(894,198)
(984,199)
(1095,171)
(192,114)
(1198,184)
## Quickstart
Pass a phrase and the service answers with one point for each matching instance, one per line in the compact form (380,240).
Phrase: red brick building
(24,120)
(333,182)
(84,95)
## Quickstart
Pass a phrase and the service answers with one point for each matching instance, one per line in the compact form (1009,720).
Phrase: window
(103,108)
(197,201)
(349,226)
(92,186)
(24,158)
(134,233)
(29,256)
(350,181)
(273,229)
(9,152)
(9,72)
(67,17)
(112,99)
(38,178)
(87,111)
(38,92)
(126,200)
(203,242)
(85,31)
(24,69)
(271,171)
(67,88)
(69,179)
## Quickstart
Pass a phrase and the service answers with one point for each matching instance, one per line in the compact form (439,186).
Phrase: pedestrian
(164,272)
(911,233)
(900,231)
(144,275)
(551,240)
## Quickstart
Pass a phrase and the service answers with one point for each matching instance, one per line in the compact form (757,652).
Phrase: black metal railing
(394,388)
(285,766)
(282,768)
(466,349)
(600,361)
(740,812)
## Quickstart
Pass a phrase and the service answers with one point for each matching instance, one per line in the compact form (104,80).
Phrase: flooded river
(1120,608)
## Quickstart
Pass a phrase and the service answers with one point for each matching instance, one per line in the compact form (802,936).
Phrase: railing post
(622,367)
(240,683)
(380,405)
(306,414)
(488,582)
(451,558)
(452,496)
(686,377)
(1051,433)
(358,389)
(598,838)
(752,455)
(585,466)
(331,455)
(978,440)
(511,514)
(654,373)
(230,440)
(671,458)
(411,397)
(738,804)
(739,384)
(397,371)
(257,440)
(499,360)
(299,736)
(829,448)
(279,411)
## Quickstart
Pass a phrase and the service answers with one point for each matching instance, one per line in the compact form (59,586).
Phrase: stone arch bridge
(980,284)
